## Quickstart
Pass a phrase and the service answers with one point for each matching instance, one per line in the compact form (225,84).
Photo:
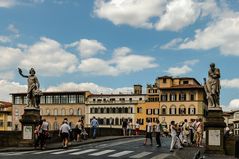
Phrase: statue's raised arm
(20,72)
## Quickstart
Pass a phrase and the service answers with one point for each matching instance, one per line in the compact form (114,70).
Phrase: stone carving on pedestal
(31,117)
(33,85)
(212,87)
(214,124)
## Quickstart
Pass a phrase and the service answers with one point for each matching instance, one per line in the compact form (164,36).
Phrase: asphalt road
(123,148)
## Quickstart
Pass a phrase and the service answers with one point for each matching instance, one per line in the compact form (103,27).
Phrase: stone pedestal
(214,127)
(30,119)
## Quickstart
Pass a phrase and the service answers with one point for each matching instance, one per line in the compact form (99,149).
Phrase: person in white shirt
(137,126)
(157,133)
(149,131)
(175,139)
(186,133)
(65,132)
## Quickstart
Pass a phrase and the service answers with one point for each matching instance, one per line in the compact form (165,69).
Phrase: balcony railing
(114,102)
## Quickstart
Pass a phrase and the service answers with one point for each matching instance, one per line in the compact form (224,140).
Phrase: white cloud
(230,83)
(223,33)
(170,15)
(191,62)
(7,3)
(173,44)
(49,58)
(136,13)
(178,14)
(89,86)
(122,62)
(88,48)
(233,105)
(9,57)
(8,87)
(176,71)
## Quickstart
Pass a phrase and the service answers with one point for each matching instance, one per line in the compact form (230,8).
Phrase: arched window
(192,110)
(172,110)
(126,110)
(182,109)
(113,110)
(105,110)
(116,121)
(173,97)
(108,110)
(48,112)
(55,125)
(164,109)
(116,110)
(55,112)
(63,112)
(98,110)
(120,110)
(71,111)
(101,110)
(104,121)
(79,111)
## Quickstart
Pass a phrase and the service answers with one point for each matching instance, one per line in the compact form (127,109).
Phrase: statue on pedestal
(212,87)
(33,92)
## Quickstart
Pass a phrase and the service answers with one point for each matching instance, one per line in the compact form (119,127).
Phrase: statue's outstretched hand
(19,70)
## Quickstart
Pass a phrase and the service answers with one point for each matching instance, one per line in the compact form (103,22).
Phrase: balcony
(115,102)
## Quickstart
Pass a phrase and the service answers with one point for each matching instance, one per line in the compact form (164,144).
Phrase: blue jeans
(94,131)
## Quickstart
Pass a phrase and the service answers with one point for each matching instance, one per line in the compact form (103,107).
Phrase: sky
(107,46)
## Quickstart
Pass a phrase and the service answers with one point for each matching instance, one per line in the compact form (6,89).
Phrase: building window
(79,111)
(48,112)
(55,112)
(18,100)
(130,99)
(25,100)
(140,98)
(72,98)
(182,110)
(139,110)
(192,97)
(1,123)
(9,124)
(191,110)
(164,97)
(64,99)
(156,111)
(148,111)
(164,80)
(182,96)
(48,99)
(71,111)
(185,82)
(172,110)
(81,99)
(164,110)
(43,99)
(56,99)
(173,97)
(63,112)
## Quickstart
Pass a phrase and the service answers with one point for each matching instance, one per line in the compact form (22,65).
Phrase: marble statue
(212,86)
(33,91)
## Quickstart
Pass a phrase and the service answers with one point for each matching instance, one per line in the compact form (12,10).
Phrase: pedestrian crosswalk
(108,153)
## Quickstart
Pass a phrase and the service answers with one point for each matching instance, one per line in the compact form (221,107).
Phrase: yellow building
(54,107)
(5,116)
(172,99)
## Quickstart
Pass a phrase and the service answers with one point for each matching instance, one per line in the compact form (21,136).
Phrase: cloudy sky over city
(107,46)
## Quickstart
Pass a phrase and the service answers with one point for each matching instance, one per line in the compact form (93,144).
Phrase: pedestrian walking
(199,132)
(124,127)
(149,131)
(64,132)
(137,126)
(130,127)
(158,129)
(94,124)
(78,130)
(186,133)
(37,134)
(175,140)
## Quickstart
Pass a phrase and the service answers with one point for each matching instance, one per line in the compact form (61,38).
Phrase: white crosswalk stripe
(48,151)
(101,152)
(64,151)
(121,153)
(140,155)
(82,152)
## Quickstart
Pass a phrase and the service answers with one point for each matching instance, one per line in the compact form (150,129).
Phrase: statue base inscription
(30,119)
(214,127)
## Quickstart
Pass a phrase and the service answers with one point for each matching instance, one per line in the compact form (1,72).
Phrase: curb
(11,149)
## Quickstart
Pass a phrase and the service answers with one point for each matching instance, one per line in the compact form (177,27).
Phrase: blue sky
(109,45)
